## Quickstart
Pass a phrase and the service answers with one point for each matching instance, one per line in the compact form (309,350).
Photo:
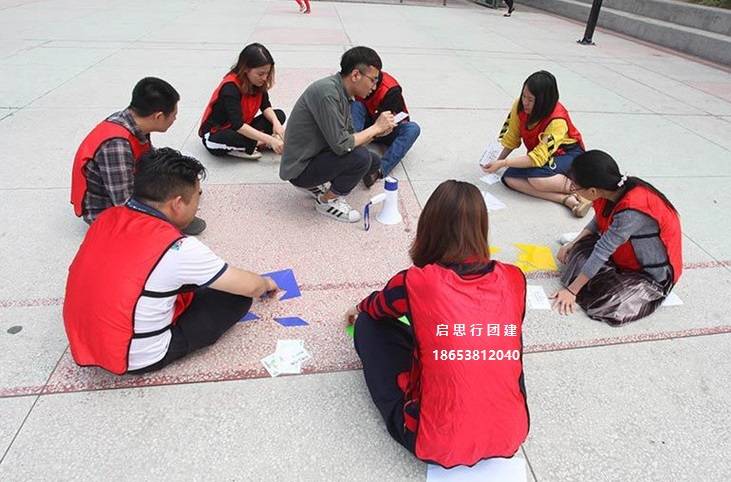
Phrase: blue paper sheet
(249,317)
(290,321)
(287,283)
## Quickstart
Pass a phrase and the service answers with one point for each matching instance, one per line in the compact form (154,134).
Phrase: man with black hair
(322,146)
(140,294)
(104,165)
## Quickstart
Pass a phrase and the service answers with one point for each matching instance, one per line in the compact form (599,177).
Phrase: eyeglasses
(374,81)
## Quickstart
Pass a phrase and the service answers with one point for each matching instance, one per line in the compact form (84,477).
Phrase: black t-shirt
(227,109)
(393,101)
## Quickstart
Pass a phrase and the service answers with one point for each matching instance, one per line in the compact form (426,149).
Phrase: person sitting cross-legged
(388,96)
(450,384)
(230,125)
(103,172)
(626,261)
(139,293)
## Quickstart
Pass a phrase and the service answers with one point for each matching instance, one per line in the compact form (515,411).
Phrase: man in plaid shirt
(109,173)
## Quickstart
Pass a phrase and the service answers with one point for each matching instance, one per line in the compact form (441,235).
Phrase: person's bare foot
(578,206)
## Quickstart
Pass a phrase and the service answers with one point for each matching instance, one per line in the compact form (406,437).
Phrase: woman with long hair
(450,384)
(628,258)
(230,125)
(543,124)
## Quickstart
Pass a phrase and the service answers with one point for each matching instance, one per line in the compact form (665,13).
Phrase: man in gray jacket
(321,146)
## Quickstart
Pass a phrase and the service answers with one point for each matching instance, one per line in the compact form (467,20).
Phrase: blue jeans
(399,141)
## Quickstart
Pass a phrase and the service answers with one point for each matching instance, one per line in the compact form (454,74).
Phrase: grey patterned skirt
(613,295)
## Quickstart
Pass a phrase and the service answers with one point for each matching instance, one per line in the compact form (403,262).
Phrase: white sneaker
(337,209)
(254,156)
(314,191)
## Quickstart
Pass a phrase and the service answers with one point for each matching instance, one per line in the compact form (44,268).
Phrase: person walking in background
(304,6)
(511,8)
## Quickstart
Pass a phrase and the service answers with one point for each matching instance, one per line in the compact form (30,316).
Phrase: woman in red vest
(544,126)
(450,384)
(230,125)
(628,258)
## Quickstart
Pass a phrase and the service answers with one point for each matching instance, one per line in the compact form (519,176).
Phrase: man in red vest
(387,96)
(140,294)
(104,165)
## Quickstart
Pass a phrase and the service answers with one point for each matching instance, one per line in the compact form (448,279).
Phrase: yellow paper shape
(534,257)
(494,250)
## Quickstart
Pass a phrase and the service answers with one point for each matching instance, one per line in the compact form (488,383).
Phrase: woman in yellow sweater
(543,124)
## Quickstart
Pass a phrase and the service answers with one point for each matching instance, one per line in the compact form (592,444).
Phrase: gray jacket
(320,120)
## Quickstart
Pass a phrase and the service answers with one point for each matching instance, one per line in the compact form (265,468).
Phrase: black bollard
(596,5)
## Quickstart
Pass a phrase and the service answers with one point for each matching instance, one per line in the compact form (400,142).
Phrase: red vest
(105,281)
(250,104)
(468,410)
(373,101)
(647,202)
(104,131)
(532,137)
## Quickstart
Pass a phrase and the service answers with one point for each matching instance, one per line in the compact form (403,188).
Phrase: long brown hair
(253,56)
(452,227)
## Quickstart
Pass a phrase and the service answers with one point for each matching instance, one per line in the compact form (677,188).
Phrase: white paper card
(490,179)
(492,203)
(399,117)
(287,359)
(273,364)
(672,300)
(491,153)
(536,298)
(491,470)
(566,238)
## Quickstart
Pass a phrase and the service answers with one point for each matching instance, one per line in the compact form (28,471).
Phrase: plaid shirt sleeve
(116,167)
(391,302)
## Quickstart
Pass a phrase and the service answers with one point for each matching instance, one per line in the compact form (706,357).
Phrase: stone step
(712,46)
(709,19)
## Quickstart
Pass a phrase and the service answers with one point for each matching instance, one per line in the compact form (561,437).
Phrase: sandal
(581,208)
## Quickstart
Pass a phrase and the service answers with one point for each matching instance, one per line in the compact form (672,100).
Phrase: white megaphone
(389,213)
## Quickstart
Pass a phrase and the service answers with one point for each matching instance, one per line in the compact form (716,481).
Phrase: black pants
(385,348)
(233,139)
(509,3)
(209,316)
(343,172)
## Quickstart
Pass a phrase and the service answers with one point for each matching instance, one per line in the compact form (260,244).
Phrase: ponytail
(599,170)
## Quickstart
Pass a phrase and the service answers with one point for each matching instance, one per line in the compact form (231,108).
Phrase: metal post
(596,5)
